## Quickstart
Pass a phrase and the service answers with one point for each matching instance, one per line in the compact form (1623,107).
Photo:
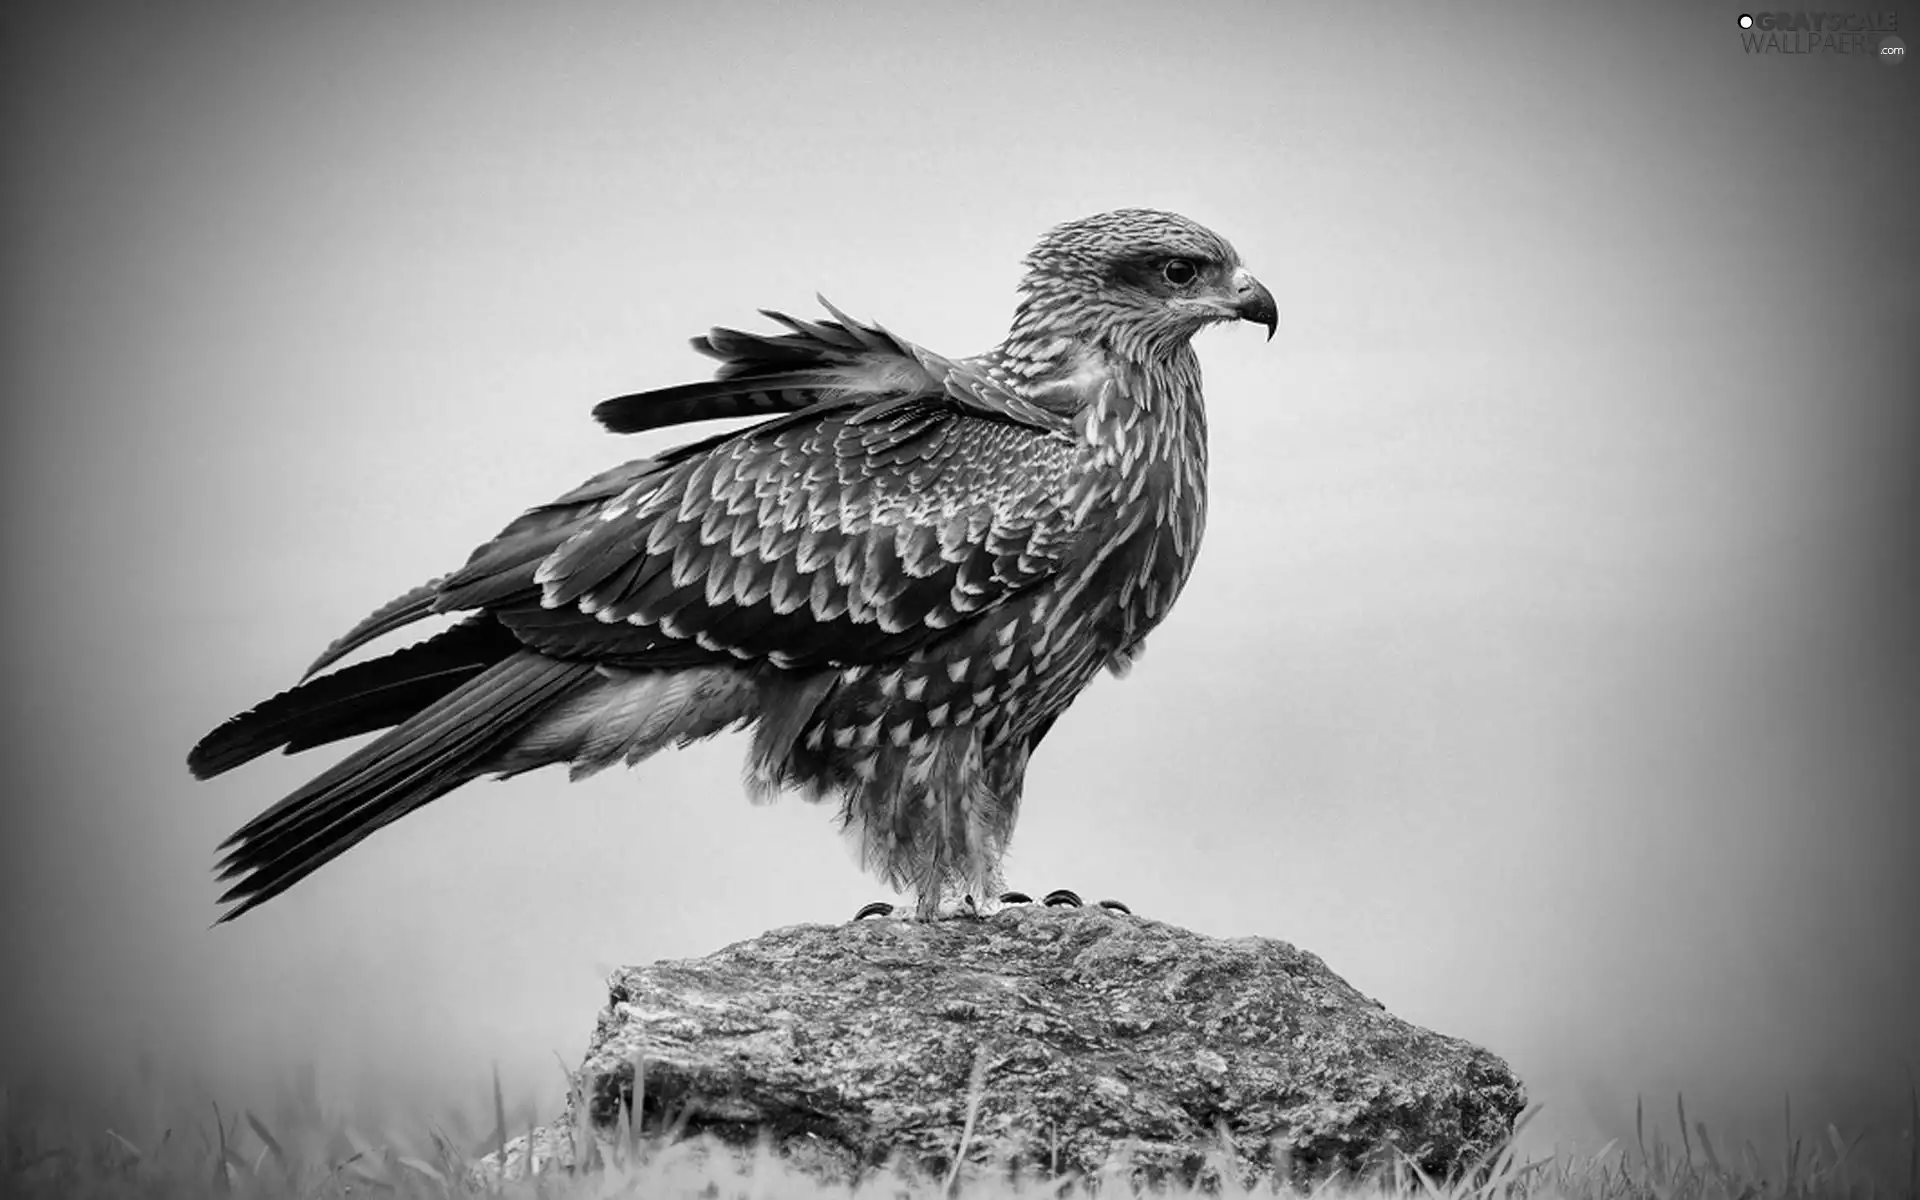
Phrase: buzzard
(897,580)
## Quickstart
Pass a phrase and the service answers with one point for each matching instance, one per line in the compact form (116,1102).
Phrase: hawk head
(1149,280)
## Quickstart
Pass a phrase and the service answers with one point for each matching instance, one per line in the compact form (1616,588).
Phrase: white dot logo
(1746,20)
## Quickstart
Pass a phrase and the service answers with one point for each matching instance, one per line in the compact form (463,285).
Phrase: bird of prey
(897,580)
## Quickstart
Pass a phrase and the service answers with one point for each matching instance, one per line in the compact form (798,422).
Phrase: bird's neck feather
(1146,411)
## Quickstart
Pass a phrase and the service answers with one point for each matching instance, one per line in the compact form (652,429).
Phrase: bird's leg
(928,906)
(937,903)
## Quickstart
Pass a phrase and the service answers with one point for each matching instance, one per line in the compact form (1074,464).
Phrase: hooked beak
(1253,302)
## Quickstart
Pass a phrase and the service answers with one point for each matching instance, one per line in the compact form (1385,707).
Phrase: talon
(1116,906)
(1015,898)
(879,908)
(1061,898)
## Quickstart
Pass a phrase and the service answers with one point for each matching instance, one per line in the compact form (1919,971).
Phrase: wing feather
(759,374)
(819,364)
(917,521)
(903,493)
(401,611)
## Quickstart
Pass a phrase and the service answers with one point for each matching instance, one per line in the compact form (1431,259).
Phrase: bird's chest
(1147,490)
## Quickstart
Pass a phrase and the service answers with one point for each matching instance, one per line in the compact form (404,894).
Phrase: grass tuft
(310,1156)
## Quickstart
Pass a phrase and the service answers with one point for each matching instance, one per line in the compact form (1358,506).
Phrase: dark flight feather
(356,699)
(427,756)
(397,613)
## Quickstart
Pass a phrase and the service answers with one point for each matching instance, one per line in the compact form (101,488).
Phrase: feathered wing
(843,540)
(672,597)
(836,365)
(814,363)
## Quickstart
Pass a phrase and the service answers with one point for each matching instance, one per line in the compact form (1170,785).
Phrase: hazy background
(1549,669)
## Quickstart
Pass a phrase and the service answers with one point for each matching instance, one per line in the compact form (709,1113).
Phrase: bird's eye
(1178,272)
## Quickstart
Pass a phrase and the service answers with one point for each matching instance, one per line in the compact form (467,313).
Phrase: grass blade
(976,1091)
(1706,1144)
(500,1123)
(132,1150)
(1640,1135)
(422,1167)
(637,1103)
(222,1182)
(1680,1102)
(531,1172)
(267,1139)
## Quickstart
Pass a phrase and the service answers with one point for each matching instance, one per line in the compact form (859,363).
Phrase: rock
(1094,1037)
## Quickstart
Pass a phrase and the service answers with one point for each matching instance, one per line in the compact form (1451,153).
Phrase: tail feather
(444,745)
(355,700)
(401,611)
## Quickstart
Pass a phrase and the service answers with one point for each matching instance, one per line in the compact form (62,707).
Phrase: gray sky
(1548,670)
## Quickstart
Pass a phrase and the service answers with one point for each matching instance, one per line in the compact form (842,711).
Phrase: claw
(1061,898)
(1015,898)
(879,908)
(1116,906)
